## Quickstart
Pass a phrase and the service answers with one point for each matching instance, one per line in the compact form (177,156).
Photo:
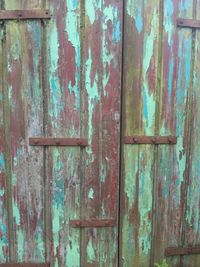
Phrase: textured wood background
(93,64)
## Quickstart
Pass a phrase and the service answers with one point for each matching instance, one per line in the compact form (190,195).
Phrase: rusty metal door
(160,200)
(60,130)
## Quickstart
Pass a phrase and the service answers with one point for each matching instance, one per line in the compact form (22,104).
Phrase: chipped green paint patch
(93,95)
(91,193)
(91,257)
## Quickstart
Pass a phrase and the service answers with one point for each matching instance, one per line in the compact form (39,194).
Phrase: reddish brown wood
(188,23)
(25,14)
(24,265)
(58,142)
(172,251)
(156,140)
(92,223)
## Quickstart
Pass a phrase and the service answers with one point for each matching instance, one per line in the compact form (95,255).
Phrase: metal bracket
(188,23)
(173,251)
(152,140)
(42,141)
(93,223)
(25,14)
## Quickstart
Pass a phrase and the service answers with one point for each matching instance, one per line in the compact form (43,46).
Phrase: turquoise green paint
(2,192)
(168,24)
(109,14)
(145,199)
(103,172)
(35,30)
(2,162)
(134,10)
(54,49)
(73,260)
(3,228)
(128,249)
(92,91)
(149,101)
(91,193)
(57,199)
(12,100)
(130,154)
(15,42)
(16,212)
(91,7)
(91,257)
(143,169)
(39,246)
(56,99)
(20,245)
(72,28)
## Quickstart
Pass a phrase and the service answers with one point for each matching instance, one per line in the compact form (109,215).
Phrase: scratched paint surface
(62,80)
(173,189)
(24,113)
(3,211)
(140,69)
(102,50)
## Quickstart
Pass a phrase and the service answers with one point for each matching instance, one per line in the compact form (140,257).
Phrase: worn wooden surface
(60,78)
(141,44)
(173,182)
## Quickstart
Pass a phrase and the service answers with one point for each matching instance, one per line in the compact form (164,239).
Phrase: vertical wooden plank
(192,233)
(173,116)
(109,143)
(101,100)
(102,50)
(64,121)
(141,31)
(25,118)
(4,251)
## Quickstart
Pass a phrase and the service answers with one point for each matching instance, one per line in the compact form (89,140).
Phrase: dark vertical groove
(189,126)
(47,216)
(157,128)
(122,133)
(6,122)
(82,116)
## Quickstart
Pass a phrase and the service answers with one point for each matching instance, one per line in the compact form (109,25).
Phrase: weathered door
(60,110)
(160,201)
(60,80)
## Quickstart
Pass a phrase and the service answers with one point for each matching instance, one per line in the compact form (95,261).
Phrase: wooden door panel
(192,221)
(63,80)
(141,31)
(171,162)
(101,124)
(25,116)
(173,217)
(63,120)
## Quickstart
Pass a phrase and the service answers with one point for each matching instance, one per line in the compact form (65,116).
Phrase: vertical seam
(47,213)
(157,125)
(189,130)
(122,131)
(6,137)
(82,87)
